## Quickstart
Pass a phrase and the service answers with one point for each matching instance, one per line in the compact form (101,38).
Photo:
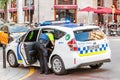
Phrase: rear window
(89,34)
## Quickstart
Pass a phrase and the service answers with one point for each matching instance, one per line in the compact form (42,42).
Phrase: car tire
(12,60)
(96,66)
(58,66)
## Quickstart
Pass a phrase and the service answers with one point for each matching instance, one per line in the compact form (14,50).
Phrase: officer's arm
(53,43)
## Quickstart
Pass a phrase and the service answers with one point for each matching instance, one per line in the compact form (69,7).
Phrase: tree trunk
(6,13)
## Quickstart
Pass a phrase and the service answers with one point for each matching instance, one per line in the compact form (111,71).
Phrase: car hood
(16,35)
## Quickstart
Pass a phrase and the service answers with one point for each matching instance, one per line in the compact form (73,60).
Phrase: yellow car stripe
(92,53)
(29,74)
(20,61)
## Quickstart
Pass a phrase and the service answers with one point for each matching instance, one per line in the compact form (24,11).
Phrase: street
(109,71)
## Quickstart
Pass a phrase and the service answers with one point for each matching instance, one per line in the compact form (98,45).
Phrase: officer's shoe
(42,72)
(47,73)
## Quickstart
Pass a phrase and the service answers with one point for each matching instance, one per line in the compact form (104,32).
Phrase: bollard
(4,56)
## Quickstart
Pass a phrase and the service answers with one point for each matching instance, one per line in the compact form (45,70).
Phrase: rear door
(28,47)
(90,42)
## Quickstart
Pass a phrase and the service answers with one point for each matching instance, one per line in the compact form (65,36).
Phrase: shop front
(65,10)
(28,9)
(13,11)
(13,14)
(2,13)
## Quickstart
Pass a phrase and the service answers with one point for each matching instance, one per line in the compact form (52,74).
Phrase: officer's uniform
(42,51)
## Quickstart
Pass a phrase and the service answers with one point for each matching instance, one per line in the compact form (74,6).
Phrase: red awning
(1,11)
(117,11)
(12,10)
(104,10)
(87,9)
(65,6)
(27,8)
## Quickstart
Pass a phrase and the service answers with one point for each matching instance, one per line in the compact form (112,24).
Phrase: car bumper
(89,60)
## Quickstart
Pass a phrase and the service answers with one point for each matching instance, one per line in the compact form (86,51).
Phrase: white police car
(75,46)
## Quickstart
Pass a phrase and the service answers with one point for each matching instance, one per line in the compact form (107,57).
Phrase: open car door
(28,46)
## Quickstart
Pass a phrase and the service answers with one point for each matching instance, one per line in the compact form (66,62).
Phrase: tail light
(72,44)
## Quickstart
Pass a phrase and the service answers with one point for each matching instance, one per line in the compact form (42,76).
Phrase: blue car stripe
(18,52)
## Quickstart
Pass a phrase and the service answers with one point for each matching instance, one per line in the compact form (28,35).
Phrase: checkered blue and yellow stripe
(85,51)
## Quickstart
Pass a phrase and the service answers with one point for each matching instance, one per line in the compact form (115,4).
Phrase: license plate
(93,47)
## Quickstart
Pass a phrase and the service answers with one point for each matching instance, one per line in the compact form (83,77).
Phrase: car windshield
(17,29)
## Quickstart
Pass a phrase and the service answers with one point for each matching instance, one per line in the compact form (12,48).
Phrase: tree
(4,4)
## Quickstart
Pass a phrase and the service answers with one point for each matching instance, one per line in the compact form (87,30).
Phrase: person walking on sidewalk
(42,50)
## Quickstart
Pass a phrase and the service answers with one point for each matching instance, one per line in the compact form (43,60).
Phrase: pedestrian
(42,51)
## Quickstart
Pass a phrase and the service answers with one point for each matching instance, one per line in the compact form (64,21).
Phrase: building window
(29,2)
(29,10)
(65,2)
(100,3)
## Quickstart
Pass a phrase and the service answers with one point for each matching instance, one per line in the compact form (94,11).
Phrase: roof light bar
(54,22)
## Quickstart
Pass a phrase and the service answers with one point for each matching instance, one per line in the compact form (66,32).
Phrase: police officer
(42,50)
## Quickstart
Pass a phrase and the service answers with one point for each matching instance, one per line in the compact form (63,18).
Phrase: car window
(57,33)
(88,35)
(22,38)
(31,36)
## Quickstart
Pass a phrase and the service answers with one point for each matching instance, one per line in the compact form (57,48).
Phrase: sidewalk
(10,73)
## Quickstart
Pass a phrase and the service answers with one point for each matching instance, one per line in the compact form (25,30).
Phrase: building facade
(20,11)
(32,11)
(62,10)
(69,9)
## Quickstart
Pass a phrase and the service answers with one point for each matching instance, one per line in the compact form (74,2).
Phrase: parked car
(113,29)
(75,46)
(14,30)
(2,22)
(118,30)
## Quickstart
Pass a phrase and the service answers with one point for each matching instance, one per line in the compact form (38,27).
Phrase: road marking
(31,71)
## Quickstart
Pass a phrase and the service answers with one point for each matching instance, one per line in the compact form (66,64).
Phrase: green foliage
(2,3)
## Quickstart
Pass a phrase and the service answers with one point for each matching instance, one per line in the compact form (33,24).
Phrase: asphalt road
(109,71)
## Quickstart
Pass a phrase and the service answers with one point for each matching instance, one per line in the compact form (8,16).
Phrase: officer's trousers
(42,57)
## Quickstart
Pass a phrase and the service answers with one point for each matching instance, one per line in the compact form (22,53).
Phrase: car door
(28,47)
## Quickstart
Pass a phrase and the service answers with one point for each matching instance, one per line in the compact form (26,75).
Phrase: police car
(75,46)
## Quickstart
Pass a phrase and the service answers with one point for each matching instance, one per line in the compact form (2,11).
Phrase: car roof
(70,26)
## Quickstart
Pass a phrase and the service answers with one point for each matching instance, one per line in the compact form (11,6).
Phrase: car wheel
(96,66)
(11,58)
(58,66)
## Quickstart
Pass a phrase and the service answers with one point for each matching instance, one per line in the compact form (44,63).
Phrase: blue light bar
(45,23)
(54,22)
(70,25)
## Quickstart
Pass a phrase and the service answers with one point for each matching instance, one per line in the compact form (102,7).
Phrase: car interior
(30,40)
